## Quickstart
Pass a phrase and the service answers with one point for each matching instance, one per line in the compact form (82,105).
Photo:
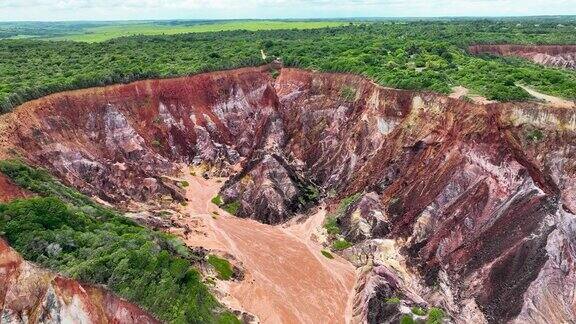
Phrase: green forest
(65,231)
(421,55)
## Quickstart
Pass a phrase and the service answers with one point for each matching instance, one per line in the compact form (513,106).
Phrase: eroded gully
(287,279)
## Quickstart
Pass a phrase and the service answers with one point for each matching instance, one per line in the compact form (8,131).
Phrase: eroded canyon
(461,206)
(561,56)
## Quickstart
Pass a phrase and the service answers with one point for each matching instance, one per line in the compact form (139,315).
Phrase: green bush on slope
(222,267)
(93,244)
(217,200)
(232,207)
(340,245)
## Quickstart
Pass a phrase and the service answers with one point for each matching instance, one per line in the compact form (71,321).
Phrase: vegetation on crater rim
(422,55)
(65,231)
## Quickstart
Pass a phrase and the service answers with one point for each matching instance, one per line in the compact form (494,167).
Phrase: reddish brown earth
(464,206)
(287,280)
(563,56)
(10,191)
(29,294)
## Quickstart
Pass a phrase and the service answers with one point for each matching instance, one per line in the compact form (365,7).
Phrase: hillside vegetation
(65,231)
(416,55)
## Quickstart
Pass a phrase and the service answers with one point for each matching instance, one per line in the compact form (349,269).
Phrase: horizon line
(350,18)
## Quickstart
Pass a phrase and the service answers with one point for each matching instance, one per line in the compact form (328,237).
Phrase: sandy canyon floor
(287,279)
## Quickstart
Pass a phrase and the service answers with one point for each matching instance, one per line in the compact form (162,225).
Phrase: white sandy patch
(550,100)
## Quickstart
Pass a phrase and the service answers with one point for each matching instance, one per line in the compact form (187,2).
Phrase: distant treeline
(420,55)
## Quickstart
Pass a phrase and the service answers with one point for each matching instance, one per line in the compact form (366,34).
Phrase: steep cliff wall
(465,206)
(475,193)
(115,142)
(29,294)
(563,56)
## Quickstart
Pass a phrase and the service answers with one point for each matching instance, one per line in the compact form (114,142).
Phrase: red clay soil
(563,56)
(10,191)
(287,279)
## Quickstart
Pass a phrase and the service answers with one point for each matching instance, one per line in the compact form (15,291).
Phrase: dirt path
(550,100)
(287,279)
(461,92)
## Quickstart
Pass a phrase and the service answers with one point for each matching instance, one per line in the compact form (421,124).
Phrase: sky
(57,10)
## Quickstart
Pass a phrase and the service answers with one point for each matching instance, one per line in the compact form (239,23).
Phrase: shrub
(418,311)
(435,316)
(311,194)
(228,318)
(535,135)
(340,245)
(217,200)
(327,254)
(156,143)
(184,184)
(331,226)
(393,300)
(275,74)
(407,319)
(232,207)
(331,223)
(222,267)
(346,202)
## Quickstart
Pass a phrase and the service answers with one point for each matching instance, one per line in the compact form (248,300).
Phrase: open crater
(447,203)
(560,56)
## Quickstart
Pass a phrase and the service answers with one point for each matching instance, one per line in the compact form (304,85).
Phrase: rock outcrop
(29,294)
(562,56)
(464,206)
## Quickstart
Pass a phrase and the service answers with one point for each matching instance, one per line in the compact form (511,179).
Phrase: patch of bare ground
(552,101)
(287,280)
(10,191)
(460,92)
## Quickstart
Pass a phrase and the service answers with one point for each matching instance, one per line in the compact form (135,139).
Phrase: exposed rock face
(366,219)
(31,295)
(563,56)
(469,207)
(9,190)
(115,142)
(269,186)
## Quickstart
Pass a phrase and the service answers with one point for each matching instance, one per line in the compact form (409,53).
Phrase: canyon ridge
(445,203)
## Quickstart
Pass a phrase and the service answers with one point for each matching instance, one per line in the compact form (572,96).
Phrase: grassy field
(103,33)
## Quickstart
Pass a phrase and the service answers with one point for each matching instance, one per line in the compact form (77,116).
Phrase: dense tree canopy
(426,55)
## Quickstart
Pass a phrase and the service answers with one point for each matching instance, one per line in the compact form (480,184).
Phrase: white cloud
(76,4)
(166,9)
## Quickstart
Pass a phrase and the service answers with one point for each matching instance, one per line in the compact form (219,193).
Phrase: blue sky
(49,10)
